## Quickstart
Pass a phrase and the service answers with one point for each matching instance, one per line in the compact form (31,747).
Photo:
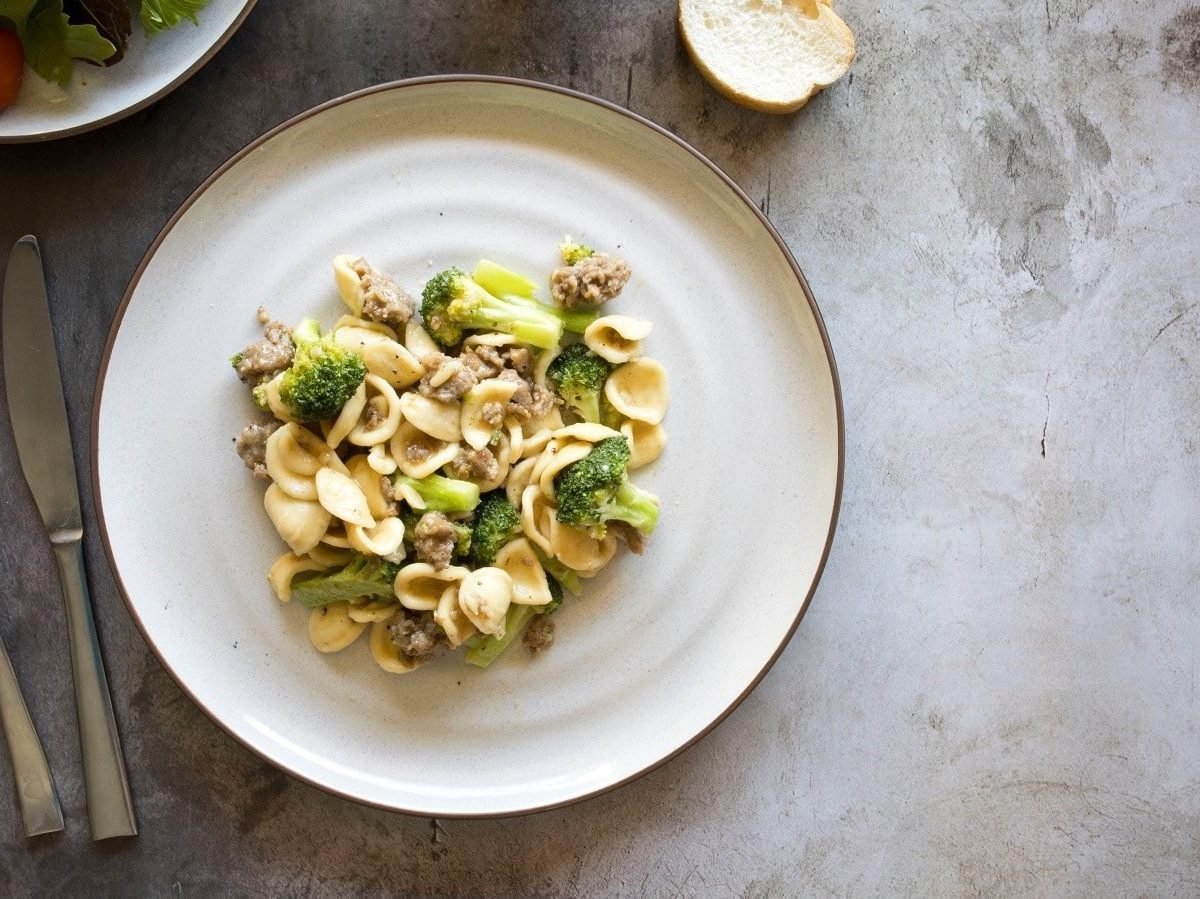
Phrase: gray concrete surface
(995,691)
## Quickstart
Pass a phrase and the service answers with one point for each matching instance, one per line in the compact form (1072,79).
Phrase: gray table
(995,691)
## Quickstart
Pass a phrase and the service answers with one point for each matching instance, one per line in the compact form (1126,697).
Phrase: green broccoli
(595,490)
(452,302)
(483,650)
(463,538)
(572,251)
(323,375)
(360,578)
(578,375)
(557,571)
(496,523)
(260,397)
(502,282)
(442,494)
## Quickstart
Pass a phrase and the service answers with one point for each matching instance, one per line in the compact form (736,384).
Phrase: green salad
(55,33)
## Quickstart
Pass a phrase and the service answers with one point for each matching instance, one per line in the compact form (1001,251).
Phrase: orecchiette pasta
(438,492)
(638,390)
(617,338)
(331,628)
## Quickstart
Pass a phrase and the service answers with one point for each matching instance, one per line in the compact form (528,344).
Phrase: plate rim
(462,78)
(138,106)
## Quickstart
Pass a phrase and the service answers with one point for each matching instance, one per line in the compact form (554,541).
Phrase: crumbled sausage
(520,359)
(529,400)
(446,379)
(389,495)
(595,279)
(263,359)
(373,418)
(483,361)
(418,637)
(475,464)
(492,414)
(632,536)
(251,445)
(416,453)
(384,300)
(435,539)
(539,634)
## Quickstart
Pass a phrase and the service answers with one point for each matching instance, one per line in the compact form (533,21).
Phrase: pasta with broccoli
(443,468)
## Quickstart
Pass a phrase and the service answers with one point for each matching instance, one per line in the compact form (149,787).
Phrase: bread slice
(770,55)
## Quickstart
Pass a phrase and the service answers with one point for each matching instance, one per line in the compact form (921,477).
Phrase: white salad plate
(152,68)
(417,176)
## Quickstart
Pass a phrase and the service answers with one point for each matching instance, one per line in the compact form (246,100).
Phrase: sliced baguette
(770,55)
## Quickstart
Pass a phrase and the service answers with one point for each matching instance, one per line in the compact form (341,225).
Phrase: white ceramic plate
(95,96)
(417,176)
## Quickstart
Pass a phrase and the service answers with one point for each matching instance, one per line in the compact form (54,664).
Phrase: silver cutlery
(43,438)
(40,811)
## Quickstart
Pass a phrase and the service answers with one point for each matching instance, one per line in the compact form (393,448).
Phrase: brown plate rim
(527,84)
(204,59)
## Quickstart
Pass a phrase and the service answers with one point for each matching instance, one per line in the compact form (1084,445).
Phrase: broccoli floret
(260,397)
(323,375)
(462,545)
(482,651)
(236,359)
(442,494)
(361,578)
(572,251)
(595,490)
(578,375)
(496,523)
(452,302)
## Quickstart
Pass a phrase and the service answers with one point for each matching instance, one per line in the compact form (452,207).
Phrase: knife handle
(110,809)
(40,811)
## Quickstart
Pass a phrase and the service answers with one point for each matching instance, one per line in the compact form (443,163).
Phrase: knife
(43,438)
(40,811)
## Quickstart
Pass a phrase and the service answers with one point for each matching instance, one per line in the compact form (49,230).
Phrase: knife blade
(43,437)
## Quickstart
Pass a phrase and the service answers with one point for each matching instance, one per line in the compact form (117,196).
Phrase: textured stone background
(995,691)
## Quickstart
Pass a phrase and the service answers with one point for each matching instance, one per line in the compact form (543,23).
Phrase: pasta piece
(386,653)
(518,480)
(384,356)
(529,584)
(490,338)
(450,618)
(351,321)
(587,431)
(492,393)
(380,461)
(516,440)
(572,452)
(341,496)
(370,611)
(290,466)
(578,551)
(300,523)
(315,446)
(348,417)
(331,628)
(286,567)
(411,495)
(371,484)
(417,340)
(374,429)
(274,401)
(484,597)
(437,419)
(617,338)
(638,390)
(534,443)
(500,451)
(335,536)
(386,539)
(646,442)
(349,284)
(417,454)
(419,586)
(537,513)
(545,357)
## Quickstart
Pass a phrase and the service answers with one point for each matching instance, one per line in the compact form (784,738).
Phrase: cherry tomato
(12,63)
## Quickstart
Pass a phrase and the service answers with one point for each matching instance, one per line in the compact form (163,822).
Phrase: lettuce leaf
(112,19)
(51,42)
(159,15)
(17,11)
